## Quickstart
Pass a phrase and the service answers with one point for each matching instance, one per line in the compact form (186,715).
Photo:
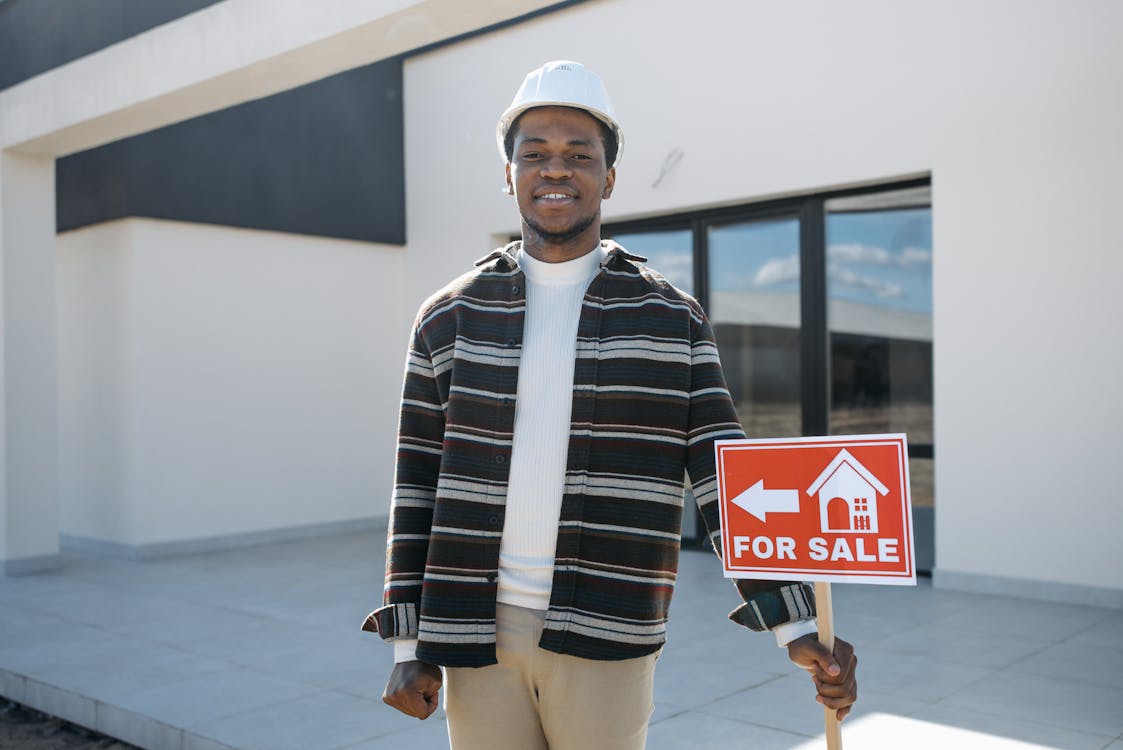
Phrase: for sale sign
(817,508)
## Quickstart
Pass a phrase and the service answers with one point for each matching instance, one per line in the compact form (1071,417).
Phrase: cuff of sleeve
(789,631)
(767,609)
(393,621)
(405,649)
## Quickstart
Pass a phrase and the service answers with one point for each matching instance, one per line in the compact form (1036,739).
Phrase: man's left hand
(833,675)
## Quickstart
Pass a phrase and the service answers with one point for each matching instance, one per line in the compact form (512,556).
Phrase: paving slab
(1024,728)
(430,734)
(1106,633)
(185,622)
(325,721)
(788,704)
(195,701)
(145,667)
(965,647)
(1051,700)
(889,732)
(699,731)
(1027,619)
(1077,662)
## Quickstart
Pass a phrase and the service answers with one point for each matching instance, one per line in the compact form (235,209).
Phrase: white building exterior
(170,386)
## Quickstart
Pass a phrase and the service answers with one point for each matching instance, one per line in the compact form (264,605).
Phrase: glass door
(753,280)
(879,313)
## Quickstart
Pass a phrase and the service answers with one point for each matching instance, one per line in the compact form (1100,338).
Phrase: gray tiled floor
(259,648)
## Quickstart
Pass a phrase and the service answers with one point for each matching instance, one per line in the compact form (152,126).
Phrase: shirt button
(506,401)
(491,577)
(493,520)
(500,459)
(510,342)
(515,289)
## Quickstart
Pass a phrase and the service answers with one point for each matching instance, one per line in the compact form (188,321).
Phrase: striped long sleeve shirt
(649,400)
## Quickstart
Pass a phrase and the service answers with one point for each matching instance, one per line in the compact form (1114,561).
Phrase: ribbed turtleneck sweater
(554,292)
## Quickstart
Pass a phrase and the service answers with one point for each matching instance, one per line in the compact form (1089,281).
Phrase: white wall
(1015,111)
(95,378)
(218,381)
(28,366)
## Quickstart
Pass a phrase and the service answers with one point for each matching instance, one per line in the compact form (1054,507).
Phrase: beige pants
(538,700)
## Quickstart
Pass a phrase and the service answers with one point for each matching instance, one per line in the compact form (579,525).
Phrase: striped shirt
(649,400)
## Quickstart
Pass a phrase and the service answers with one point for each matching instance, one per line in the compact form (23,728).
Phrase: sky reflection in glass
(881,258)
(670,252)
(761,256)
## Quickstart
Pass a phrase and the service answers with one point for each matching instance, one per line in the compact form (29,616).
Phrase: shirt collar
(506,257)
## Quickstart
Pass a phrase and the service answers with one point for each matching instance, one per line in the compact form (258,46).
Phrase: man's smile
(555,197)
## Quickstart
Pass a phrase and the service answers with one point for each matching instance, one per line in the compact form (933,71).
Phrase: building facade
(899,216)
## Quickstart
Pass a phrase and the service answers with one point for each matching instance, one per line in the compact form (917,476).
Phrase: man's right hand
(413,688)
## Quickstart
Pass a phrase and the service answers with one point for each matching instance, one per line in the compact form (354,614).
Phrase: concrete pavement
(260,648)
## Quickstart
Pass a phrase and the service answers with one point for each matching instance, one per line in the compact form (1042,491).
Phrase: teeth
(555,196)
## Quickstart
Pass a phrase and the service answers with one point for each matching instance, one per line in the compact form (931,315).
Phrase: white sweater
(554,292)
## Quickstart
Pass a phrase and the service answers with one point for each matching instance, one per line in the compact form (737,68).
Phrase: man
(554,398)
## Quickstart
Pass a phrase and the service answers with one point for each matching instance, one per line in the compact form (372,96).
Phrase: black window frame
(815,355)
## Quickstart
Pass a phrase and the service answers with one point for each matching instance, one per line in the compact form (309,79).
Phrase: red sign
(817,509)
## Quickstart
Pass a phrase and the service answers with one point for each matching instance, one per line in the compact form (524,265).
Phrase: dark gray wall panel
(37,35)
(92,187)
(323,159)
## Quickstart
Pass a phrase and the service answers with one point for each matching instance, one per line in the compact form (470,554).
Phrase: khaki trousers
(538,700)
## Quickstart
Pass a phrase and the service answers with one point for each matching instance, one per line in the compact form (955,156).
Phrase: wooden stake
(825,621)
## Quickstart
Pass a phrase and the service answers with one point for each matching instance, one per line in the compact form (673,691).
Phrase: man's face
(558,172)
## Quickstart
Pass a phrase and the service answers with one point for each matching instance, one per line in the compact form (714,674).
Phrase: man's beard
(564,236)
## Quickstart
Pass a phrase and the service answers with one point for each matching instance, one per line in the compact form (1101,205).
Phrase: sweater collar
(615,257)
(579,270)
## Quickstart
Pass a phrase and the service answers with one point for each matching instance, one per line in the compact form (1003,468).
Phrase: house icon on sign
(847,496)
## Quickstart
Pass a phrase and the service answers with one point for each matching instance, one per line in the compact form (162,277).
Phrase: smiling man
(554,398)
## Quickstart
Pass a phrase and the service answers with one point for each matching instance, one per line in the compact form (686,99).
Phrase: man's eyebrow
(573,142)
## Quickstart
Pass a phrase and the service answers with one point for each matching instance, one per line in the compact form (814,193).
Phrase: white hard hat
(562,83)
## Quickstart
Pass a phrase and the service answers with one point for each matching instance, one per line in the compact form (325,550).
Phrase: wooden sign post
(822,509)
(825,620)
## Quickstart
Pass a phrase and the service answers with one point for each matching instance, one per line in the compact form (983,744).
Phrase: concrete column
(29,508)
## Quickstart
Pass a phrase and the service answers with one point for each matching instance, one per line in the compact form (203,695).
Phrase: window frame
(810,212)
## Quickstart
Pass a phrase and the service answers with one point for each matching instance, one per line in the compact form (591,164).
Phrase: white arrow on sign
(759,502)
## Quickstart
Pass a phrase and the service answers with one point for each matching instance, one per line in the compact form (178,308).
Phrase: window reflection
(670,252)
(755,311)
(879,312)
(922,481)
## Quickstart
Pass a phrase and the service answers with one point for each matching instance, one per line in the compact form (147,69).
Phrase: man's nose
(556,168)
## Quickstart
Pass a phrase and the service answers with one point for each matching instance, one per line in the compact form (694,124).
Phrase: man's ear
(510,184)
(609,183)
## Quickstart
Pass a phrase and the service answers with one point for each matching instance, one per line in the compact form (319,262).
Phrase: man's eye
(582,157)
(531,155)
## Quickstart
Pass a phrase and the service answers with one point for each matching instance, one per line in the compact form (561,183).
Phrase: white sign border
(897,439)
